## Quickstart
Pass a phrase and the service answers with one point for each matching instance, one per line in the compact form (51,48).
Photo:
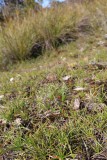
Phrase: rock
(11,79)
(51,78)
(66,78)
(79,89)
(95,107)
(76,104)
(1,97)
(17,121)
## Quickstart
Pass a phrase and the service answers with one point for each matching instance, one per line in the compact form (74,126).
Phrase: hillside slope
(55,107)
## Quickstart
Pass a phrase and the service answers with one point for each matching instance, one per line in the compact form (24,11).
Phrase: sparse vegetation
(54,106)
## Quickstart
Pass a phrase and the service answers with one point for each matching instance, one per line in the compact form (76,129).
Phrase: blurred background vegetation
(28,29)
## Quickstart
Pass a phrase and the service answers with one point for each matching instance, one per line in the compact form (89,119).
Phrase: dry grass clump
(36,29)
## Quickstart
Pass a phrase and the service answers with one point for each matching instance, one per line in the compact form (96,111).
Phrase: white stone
(11,79)
(79,89)
(1,97)
(66,78)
